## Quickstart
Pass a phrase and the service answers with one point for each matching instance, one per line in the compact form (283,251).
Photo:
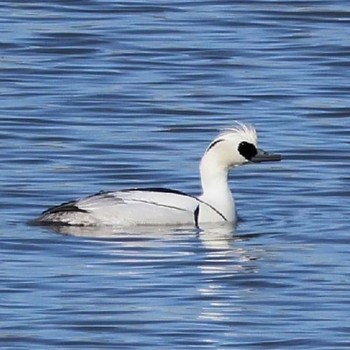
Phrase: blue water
(102,95)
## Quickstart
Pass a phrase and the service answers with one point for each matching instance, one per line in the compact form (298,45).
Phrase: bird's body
(139,206)
(159,206)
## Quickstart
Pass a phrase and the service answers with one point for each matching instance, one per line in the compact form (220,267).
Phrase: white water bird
(161,206)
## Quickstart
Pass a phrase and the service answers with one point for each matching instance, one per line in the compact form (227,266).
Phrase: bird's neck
(215,188)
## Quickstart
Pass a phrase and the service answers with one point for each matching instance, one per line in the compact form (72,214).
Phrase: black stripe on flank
(196,215)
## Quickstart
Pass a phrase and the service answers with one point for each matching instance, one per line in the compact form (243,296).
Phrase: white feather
(139,207)
(243,131)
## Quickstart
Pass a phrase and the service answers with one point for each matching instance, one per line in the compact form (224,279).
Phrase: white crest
(244,131)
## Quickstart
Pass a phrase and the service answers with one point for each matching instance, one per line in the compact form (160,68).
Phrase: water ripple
(122,94)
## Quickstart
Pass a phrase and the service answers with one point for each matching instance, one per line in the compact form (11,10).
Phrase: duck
(234,146)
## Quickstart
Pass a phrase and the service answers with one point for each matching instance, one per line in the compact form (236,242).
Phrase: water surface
(106,95)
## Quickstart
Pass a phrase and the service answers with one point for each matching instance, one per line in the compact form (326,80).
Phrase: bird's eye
(247,150)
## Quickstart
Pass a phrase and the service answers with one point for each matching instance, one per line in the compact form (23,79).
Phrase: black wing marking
(110,194)
(65,207)
(157,189)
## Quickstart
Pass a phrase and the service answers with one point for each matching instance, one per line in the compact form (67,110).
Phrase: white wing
(142,207)
(124,208)
(150,206)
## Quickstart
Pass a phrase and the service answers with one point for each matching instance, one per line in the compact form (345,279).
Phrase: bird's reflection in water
(219,242)
(226,253)
(212,260)
(221,249)
(228,260)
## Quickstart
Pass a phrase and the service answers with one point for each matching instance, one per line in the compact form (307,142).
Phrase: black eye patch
(247,150)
